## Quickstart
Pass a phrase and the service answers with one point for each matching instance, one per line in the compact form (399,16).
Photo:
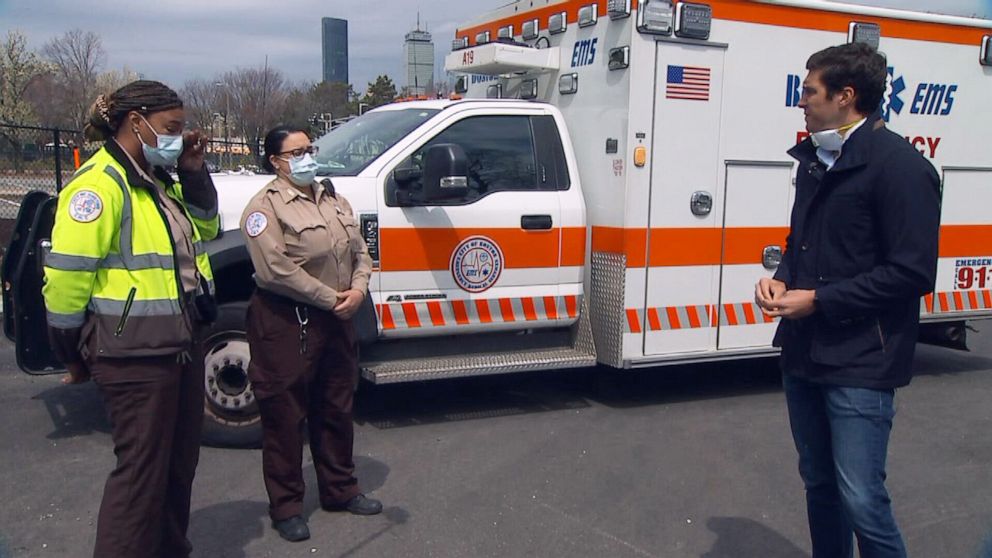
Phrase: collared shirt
(180,229)
(305,246)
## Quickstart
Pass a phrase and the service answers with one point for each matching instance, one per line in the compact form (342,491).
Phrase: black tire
(230,412)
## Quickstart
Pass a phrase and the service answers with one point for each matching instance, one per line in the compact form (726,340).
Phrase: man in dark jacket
(861,252)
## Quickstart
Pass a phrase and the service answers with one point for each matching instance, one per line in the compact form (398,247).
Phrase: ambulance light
(528,89)
(618,9)
(494,91)
(655,16)
(461,84)
(588,15)
(868,33)
(459,44)
(619,58)
(640,156)
(568,84)
(505,32)
(692,21)
(986,58)
(557,23)
(482,38)
(530,30)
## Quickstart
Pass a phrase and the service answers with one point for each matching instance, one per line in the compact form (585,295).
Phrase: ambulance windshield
(349,148)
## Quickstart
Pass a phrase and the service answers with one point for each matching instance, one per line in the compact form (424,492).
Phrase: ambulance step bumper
(419,359)
(435,368)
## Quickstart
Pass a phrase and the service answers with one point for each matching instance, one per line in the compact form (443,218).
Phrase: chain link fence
(37,158)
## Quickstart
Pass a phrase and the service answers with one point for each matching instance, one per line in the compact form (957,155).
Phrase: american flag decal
(688,82)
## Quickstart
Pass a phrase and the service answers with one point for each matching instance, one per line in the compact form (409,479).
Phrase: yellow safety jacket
(112,264)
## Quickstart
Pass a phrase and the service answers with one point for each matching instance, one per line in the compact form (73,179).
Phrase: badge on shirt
(256,223)
(85,206)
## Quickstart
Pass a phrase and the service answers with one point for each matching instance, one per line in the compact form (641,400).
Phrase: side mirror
(445,172)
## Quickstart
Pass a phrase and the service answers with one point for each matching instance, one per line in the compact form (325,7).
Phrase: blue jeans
(842,436)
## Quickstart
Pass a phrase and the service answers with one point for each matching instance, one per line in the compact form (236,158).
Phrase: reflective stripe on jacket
(112,263)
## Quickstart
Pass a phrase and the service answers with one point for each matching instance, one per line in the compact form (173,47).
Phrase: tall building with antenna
(419,51)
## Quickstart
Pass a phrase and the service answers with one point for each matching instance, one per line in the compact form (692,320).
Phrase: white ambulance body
(681,148)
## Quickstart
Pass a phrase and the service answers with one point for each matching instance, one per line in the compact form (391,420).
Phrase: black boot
(293,529)
(358,505)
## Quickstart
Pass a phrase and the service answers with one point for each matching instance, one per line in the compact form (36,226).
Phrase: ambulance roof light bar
(459,43)
(618,9)
(531,29)
(986,54)
(482,38)
(505,32)
(557,23)
(588,15)
(861,32)
(655,17)
(693,21)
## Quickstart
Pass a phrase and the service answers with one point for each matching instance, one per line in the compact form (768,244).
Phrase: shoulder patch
(85,206)
(256,223)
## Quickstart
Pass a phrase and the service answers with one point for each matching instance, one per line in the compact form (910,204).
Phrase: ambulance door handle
(771,256)
(535,222)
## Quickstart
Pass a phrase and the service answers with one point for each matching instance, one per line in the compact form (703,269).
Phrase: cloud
(175,40)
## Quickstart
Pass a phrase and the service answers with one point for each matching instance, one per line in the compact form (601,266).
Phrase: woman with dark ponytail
(127,285)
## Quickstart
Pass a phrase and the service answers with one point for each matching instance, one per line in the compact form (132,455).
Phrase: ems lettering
(933,98)
(584,52)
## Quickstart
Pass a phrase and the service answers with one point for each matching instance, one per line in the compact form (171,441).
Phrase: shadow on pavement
(740,536)
(371,475)
(224,530)
(75,410)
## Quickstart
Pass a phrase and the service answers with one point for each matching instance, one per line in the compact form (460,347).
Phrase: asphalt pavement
(688,461)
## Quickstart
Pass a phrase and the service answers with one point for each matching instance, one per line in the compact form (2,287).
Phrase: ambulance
(606,188)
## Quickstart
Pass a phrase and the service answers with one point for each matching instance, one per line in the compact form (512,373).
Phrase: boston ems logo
(85,206)
(255,224)
(476,264)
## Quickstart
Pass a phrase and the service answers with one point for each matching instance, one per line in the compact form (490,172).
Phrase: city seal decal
(476,264)
(256,223)
(85,206)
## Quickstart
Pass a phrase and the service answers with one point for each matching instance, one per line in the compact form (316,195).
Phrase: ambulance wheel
(230,412)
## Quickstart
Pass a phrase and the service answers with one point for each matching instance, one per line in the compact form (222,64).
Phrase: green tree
(380,92)
(18,68)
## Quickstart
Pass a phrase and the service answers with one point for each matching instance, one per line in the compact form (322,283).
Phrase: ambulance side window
(500,152)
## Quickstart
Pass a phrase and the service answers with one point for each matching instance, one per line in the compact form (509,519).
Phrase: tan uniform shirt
(304,248)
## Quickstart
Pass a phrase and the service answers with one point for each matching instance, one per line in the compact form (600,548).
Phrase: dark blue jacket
(864,236)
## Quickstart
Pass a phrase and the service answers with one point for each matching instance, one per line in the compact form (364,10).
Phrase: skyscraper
(419,52)
(334,35)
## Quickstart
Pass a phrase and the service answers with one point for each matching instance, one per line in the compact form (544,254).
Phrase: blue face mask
(302,170)
(167,150)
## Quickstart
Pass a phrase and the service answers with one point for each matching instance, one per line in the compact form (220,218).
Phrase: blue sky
(174,40)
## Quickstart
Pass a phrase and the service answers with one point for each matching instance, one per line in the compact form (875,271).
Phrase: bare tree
(77,57)
(202,101)
(112,80)
(18,68)
(257,97)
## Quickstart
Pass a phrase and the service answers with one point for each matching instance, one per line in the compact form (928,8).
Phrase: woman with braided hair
(127,286)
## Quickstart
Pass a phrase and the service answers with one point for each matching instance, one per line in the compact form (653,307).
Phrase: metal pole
(227,125)
(58,161)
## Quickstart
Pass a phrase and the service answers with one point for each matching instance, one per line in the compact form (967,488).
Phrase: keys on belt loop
(303,317)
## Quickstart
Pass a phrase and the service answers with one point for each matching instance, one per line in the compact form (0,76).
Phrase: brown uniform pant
(156,407)
(314,386)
